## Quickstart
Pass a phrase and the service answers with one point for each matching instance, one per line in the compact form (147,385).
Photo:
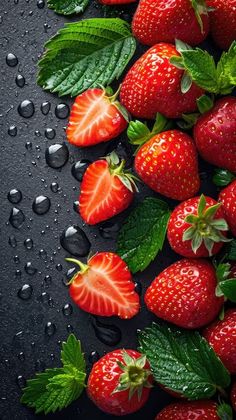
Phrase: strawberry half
(104,286)
(106,190)
(95,118)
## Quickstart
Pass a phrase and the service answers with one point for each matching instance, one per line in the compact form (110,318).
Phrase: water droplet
(30,269)
(70,328)
(79,168)
(18,273)
(21,356)
(16,218)
(21,382)
(45,107)
(40,4)
(16,259)
(28,145)
(50,133)
(28,243)
(11,60)
(74,240)
(62,111)
(12,131)
(107,334)
(25,292)
(20,80)
(67,309)
(54,187)
(59,267)
(41,205)
(93,357)
(47,280)
(43,254)
(14,196)
(12,241)
(138,288)
(57,155)
(109,230)
(76,206)
(26,108)
(50,328)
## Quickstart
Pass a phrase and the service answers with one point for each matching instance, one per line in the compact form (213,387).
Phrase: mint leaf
(56,388)
(183,361)
(143,233)
(68,7)
(86,54)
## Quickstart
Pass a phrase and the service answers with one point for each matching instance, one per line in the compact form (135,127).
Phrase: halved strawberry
(95,117)
(106,190)
(104,286)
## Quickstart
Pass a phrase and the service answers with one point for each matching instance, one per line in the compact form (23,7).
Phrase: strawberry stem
(83,267)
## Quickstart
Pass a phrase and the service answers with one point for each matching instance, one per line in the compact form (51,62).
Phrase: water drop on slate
(21,382)
(25,292)
(93,357)
(78,169)
(28,243)
(40,4)
(16,218)
(67,309)
(12,131)
(20,81)
(54,187)
(107,334)
(11,60)
(50,133)
(14,196)
(57,155)
(109,230)
(26,108)
(138,288)
(41,205)
(12,241)
(74,240)
(45,107)
(62,111)
(50,329)
(30,269)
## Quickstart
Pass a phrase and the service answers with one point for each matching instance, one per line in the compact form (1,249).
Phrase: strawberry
(104,286)
(233,396)
(162,21)
(197,410)
(95,117)
(196,227)
(153,85)
(120,382)
(215,134)
(221,335)
(222,21)
(227,198)
(106,190)
(184,294)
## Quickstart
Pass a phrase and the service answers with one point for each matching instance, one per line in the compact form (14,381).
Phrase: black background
(24,29)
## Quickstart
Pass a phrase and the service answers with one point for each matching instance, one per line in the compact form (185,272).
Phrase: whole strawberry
(227,198)
(165,21)
(197,228)
(153,85)
(184,294)
(222,21)
(221,335)
(119,383)
(215,134)
(197,410)
(233,396)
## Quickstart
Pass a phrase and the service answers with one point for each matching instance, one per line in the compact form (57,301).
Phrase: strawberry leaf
(225,412)
(85,54)
(143,233)
(68,7)
(183,361)
(222,177)
(228,289)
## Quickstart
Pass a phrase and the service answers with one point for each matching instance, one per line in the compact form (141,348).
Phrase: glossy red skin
(184,294)
(233,396)
(167,20)
(221,335)
(106,289)
(228,199)
(197,410)
(153,85)
(104,378)
(177,226)
(102,194)
(168,164)
(215,134)
(94,119)
(223,22)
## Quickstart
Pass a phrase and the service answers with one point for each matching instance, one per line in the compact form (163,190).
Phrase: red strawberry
(228,199)
(221,335)
(94,118)
(196,227)
(168,164)
(197,410)
(153,85)
(106,190)
(119,383)
(223,21)
(215,134)
(184,294)
(117,2)
(104,286)
(165,21)
(233,396)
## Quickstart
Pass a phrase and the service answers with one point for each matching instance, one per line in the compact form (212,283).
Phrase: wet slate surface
(33,321)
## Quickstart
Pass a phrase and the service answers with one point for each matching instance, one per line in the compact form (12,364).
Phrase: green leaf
(54,389)
(137,132)
(68,7)
(183,361)
(225,412)
(231,250)
(204,103)
(86,54)
(143,233)
(226,70)
(223,177)
(228,289)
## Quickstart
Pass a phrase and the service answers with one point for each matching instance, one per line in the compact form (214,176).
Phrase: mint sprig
(85,54)
(67,7)
(143,233)
(56,388)
(183,361)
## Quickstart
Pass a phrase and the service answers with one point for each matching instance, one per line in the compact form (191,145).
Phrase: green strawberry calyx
(226,285)
(204,104)
(135,376)
(223,177)
(116,168)
(112,98)
(200,8)
(204,227)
